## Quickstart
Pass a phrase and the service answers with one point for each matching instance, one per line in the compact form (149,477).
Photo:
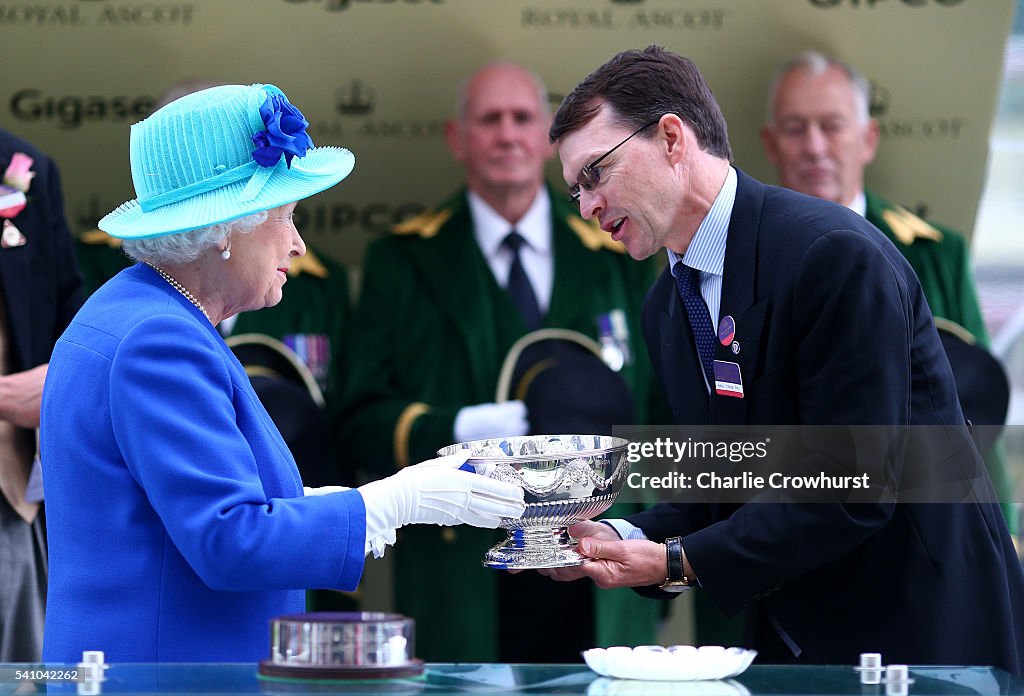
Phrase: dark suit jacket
(835,331)
(39,282)
(42,289)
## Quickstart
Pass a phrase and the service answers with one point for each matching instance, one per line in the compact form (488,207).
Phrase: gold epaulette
(99,237)
(308,263)
(426,224)
(592,236)
(907,227)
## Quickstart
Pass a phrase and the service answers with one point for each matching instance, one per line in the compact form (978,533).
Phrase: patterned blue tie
(519,288)
(688,284)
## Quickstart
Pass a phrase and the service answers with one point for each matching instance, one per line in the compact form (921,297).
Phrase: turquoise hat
(220,154)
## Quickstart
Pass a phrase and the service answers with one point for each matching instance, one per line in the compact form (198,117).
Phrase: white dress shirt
(537,256)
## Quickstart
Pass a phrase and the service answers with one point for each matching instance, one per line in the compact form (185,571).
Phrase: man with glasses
(444,298)
(783,309)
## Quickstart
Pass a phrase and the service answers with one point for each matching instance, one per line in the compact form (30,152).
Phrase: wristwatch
(675,579)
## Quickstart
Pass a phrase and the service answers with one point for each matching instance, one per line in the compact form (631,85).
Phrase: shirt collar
(491,228)
(859,204)
(706,251)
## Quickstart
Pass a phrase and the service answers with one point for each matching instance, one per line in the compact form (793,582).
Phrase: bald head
(498,71)
(500,132)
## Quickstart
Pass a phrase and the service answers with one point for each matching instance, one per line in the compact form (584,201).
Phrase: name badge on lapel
(728,380)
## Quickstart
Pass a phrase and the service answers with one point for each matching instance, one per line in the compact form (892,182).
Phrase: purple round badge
(726,330)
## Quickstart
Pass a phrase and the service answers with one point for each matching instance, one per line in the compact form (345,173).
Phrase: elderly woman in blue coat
(177,521)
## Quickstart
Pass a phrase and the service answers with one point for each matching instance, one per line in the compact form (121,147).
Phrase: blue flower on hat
(285,133)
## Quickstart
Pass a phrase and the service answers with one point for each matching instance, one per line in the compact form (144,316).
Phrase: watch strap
(675,578)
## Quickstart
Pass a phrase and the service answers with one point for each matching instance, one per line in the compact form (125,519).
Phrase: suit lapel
(679,365)
(739,284)
(457,275)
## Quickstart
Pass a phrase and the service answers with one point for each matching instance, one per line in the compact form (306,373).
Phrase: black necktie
(688,284)
(519,288)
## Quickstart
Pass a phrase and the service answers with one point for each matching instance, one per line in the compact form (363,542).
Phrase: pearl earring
(226,254)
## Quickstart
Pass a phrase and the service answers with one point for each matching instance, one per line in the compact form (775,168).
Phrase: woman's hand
(438,492)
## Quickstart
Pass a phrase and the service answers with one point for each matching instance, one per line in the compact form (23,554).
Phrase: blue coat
(835,331)
(175,513)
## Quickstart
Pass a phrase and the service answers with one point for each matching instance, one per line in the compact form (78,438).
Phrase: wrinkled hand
(598,530)
(437,492)
(617,563)
(483,421)
(20,396)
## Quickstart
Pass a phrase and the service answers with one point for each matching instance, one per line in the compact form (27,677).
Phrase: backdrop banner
(381,76)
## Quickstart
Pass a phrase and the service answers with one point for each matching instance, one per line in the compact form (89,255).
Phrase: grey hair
(183,247)
(462,98)
(816,63)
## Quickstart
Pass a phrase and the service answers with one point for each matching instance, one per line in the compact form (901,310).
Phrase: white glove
(485,421)
(437,492)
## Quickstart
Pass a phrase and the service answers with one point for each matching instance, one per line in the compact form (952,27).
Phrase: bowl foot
(532,548)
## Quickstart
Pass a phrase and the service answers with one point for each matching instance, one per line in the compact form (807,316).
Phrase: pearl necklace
(182,289)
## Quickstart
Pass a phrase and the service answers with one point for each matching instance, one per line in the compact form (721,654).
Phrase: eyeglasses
(590,175)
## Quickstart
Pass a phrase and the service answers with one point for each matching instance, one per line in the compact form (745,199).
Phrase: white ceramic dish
(674,663)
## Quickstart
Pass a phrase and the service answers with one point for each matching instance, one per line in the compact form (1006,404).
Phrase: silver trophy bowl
(565,479)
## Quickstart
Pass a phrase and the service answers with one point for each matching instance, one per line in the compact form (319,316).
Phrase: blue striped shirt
(706,252)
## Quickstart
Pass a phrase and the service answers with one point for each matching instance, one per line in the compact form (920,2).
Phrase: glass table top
(439,679)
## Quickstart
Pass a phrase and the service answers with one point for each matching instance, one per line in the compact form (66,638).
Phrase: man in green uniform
(820,137)
(443,300)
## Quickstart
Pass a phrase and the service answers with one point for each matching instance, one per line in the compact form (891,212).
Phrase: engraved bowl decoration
(565,479)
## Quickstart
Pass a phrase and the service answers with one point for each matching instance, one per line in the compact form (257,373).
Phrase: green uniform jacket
(100,258)
(313,318)
(939,257)
(430,333)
